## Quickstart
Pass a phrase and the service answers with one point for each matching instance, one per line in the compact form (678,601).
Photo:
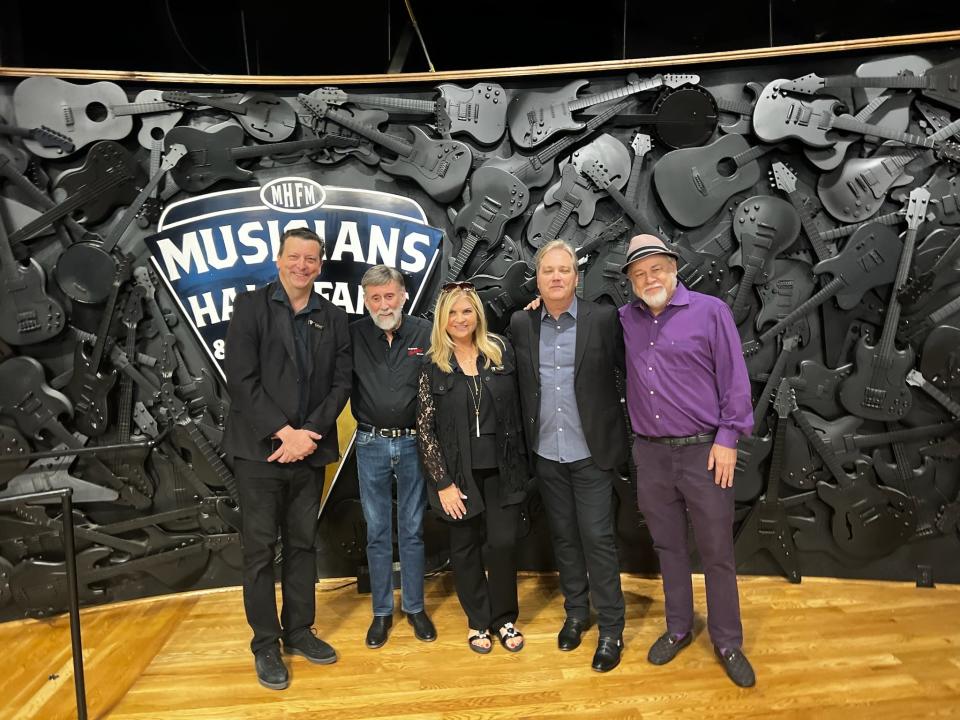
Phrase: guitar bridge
(698,182)
(27,321)
(874,398)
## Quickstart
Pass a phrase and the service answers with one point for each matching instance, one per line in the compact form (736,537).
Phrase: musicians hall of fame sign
(209,248)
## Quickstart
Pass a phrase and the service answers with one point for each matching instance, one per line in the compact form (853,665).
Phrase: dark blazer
(261,369)
(445,424)
(599,368)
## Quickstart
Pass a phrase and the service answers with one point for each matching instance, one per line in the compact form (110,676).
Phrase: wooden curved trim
(565,68)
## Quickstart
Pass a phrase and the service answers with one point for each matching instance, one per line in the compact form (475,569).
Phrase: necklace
(475,392)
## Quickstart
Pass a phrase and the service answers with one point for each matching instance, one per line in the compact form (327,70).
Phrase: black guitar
(939,83)
(916,379)
(924,282)
(213,156)
(29,315)
(869,521)
(914,328)
(88,388)
(264,116)
(789,287)
(742,110)
(440,167)
(753,450)
(42,136)
(784,179)
(108,178)
(695,183)
(766,527)
(534,117)
(869,259)
(817,386)
(877,388)
(496,197)
(479,111)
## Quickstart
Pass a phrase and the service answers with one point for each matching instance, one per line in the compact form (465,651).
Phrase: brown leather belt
(688,440)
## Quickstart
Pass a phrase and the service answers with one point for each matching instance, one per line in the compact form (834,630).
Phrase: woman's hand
(451,500)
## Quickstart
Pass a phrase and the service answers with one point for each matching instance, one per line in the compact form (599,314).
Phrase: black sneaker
(311,647)
(271,672)
(667,646)
(737,666)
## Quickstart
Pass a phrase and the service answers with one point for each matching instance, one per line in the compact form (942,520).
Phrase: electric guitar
(440,167)
(479,111)
(534,117)
(877,390)
(940,83)
(784,180)
(264,116)
(43,136)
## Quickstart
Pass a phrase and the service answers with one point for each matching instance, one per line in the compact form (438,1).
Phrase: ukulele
(876,390)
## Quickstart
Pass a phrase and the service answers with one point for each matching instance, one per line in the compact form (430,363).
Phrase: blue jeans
(379,461)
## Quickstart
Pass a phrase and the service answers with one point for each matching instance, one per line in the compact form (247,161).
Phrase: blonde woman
(470,433)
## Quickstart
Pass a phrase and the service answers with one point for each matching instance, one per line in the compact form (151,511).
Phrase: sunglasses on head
(463,285)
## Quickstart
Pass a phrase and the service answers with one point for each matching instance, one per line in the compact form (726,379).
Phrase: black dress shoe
(379,630)
(423,628)
(667,646)
(607,656)
(569,636)
(311,647)
(737,666)
(271,672)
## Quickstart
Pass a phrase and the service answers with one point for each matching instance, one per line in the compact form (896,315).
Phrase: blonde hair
(441,346)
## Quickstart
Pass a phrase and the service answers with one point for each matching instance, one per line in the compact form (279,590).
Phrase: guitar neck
(925,432)
(591,100)
(418,106)
(769,388)
(103,330)
(913,331)
(632,195)
(395,144)
(739,107)
(554,149)
(772,493)
(846,230)
(466,250)
(559,220)
(748,156)
(116,232)
(125,406)
(820,297)
(280,148)
(941,397)
(846,122)
(799,203)
(898,82)
(632,212)
(144,108)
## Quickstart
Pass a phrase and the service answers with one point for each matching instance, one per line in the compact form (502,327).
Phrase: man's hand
(722,461)
(295,445)
(451,500)
(533,304)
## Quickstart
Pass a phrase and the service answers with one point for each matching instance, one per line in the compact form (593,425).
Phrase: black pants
(488,599)
(578,499)
(278,498)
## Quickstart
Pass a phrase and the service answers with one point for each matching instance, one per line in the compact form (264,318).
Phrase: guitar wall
(741,186)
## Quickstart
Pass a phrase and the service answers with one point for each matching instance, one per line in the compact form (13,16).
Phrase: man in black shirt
(388,348)
(288,373)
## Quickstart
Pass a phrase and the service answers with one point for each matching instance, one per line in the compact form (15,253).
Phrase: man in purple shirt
(688,395)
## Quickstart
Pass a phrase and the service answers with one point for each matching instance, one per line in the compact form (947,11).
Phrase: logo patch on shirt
(414,352)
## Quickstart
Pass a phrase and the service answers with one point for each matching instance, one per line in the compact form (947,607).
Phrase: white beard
(655,299)
(388,322)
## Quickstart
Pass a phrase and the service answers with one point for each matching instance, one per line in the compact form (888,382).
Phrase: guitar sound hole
(96,112)
(726,167)
(156,133)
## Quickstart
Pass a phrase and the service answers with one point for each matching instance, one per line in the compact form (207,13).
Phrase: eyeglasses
(463,285)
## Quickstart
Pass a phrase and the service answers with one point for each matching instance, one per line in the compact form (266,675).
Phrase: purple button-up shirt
(685,369)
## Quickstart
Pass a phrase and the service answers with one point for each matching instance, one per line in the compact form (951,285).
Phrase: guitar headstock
(141,277)
(917,207)
(641,144)
(178,97)
(174,154)
(806,85)
(133,307)
(949,151)
(330,95)
(915,378)
(783,178)
(597,174)
(318,108)
(674,80)
(786,400)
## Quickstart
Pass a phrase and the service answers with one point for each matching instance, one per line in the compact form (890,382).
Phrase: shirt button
(650,368)
(560,429)
(655,322)
(559,409)
(657,417)
(651,392)
(558,387)
(651,343)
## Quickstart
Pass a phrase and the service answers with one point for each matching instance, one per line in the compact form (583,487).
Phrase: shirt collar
(399,333)
(681,297)
(572,310)
(280,295)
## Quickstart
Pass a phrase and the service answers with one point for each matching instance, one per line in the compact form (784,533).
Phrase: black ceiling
(361,36)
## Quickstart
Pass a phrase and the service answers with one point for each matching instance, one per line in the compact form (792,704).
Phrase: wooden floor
(822,649)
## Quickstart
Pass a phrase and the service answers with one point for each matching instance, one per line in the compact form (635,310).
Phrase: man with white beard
(388,348)
(688,394)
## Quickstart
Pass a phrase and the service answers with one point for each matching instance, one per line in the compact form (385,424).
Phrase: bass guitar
(439,167)
(876,390)
(534,117)
(479,111)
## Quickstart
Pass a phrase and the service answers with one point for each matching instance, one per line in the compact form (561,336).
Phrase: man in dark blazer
(288,366)
(569,354)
